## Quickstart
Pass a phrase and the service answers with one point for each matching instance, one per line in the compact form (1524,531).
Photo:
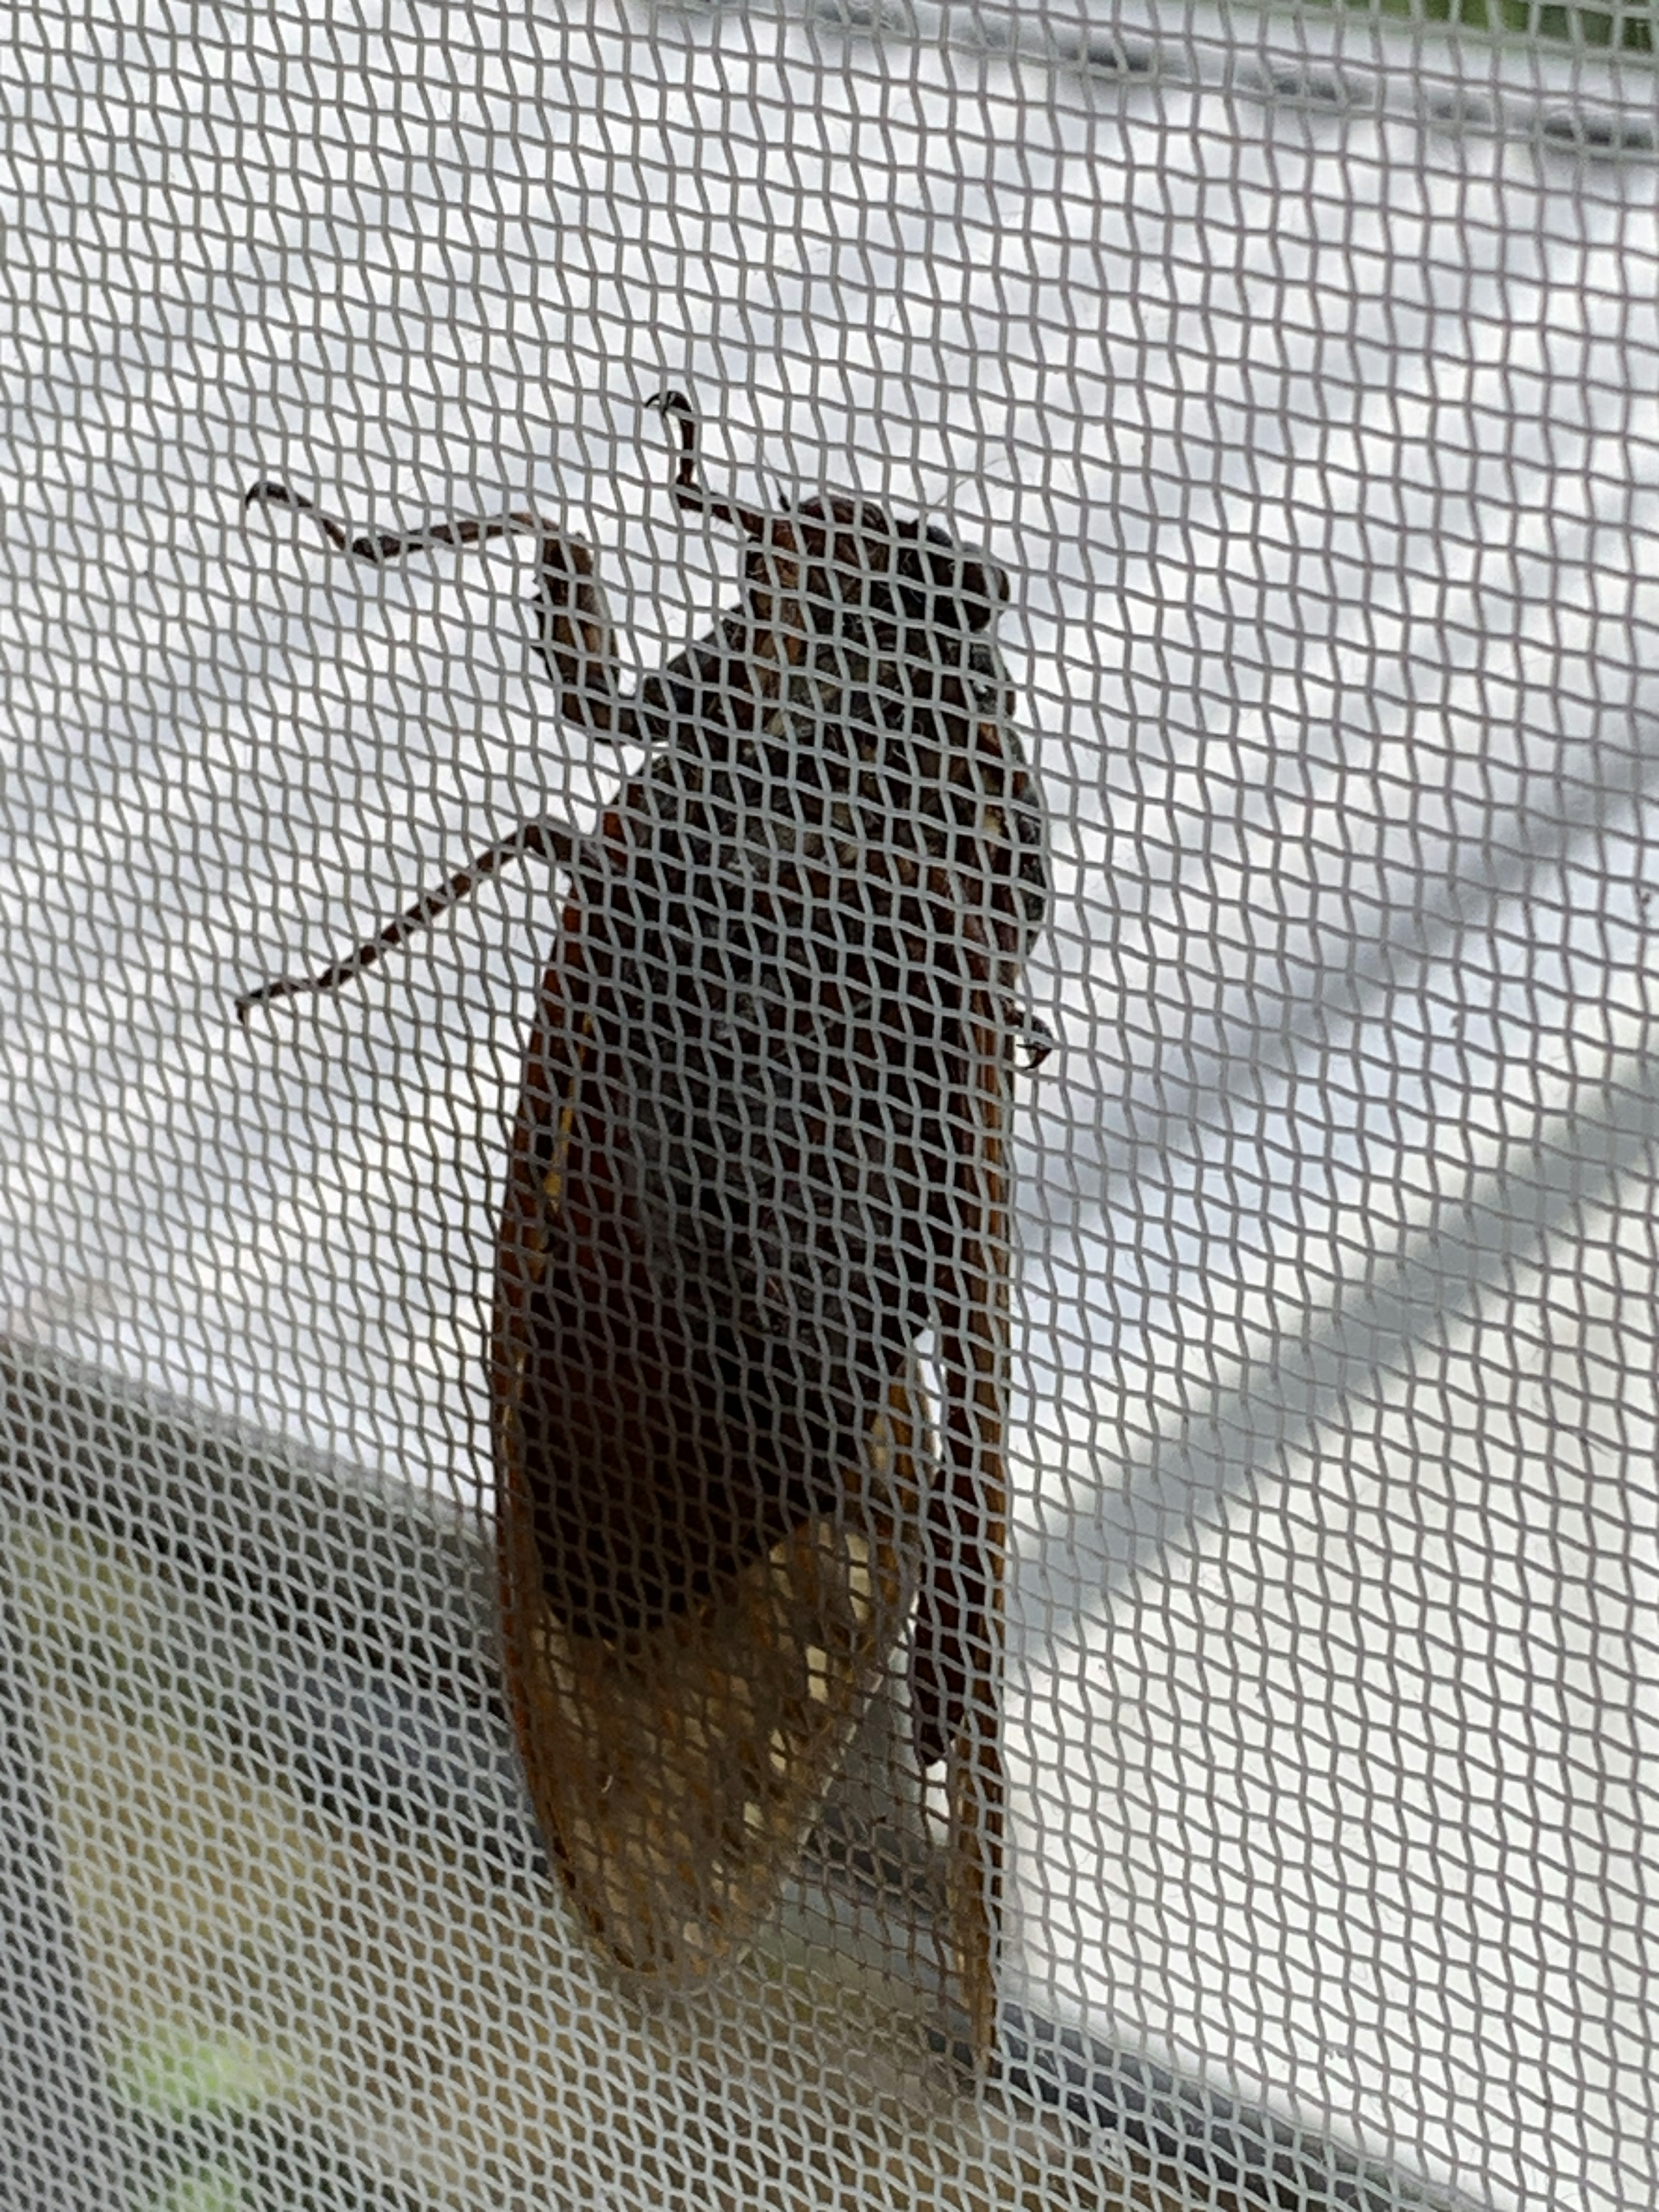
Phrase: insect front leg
(576,641)
(575,634)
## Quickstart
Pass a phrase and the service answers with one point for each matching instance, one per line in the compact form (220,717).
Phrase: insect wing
(682,1699)
(976,1342)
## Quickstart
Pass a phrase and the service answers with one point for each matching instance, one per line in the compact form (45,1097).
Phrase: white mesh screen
(1290,1845)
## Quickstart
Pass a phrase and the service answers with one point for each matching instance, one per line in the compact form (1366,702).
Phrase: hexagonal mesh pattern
(910,1461)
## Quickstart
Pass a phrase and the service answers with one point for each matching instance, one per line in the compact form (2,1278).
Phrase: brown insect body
(758,1155)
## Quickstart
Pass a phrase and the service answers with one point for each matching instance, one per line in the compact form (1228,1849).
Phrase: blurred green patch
(1630,29)
(171,2077)
(208,2131)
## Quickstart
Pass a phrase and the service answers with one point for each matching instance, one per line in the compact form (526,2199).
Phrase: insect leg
(690,493)
(573,632)
(575,640)
(1035,1039)
(551,839)
(383,546)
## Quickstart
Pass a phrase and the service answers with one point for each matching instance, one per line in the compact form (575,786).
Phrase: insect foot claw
(674,407)
(1037,1042)
(268,493)
(690,494)
(266,995)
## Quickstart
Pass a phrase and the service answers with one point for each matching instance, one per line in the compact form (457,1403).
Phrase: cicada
(758,1189)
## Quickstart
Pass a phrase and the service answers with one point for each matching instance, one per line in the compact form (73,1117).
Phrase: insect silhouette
(759,1161)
